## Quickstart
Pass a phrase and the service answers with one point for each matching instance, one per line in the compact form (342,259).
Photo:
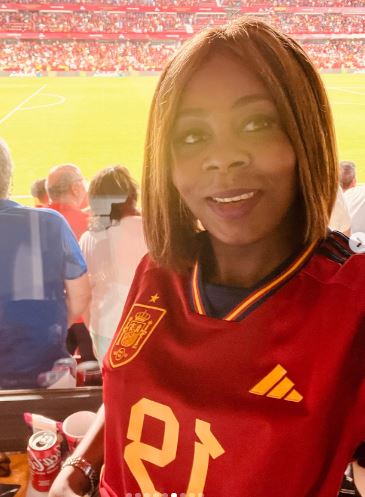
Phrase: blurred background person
(39,193)
(340,219)
(43,284)
(347,174)
(354,196)
(66,188)
(112,247)
(67,192)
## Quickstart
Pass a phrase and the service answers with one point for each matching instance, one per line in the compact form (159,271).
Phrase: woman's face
(233,164)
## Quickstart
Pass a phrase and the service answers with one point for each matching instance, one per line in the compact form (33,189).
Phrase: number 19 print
(137,451)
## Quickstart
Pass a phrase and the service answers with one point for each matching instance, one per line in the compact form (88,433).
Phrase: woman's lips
(234,203)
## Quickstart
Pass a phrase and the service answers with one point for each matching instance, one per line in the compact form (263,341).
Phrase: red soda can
(44,456)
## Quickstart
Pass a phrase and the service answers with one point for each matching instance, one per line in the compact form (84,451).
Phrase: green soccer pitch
(95,122)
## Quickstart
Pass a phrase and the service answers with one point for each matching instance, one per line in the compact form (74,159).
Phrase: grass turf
(95,122)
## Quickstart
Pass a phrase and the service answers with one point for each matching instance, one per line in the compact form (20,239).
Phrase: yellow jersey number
(136,451)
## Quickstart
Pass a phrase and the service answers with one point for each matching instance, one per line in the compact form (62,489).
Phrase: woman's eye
(258,124)
(191,137)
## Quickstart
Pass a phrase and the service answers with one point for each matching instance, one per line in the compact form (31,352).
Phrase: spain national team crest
(134,332)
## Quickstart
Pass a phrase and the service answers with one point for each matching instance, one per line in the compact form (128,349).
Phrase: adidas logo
(277,385)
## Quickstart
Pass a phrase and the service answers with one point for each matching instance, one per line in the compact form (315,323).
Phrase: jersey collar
(258,295)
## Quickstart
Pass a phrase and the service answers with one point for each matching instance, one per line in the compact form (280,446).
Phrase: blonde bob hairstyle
(301,100)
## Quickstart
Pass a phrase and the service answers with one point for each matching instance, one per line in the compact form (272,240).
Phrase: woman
(240,348)
(112,247)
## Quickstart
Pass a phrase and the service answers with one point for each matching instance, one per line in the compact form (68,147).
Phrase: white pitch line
(346,91)
(348,103)
(61,100)
(18,107)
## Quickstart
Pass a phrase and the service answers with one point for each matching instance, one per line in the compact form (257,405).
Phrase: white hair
(6,168)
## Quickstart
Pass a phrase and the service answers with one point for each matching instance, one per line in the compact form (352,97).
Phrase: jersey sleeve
(74,262)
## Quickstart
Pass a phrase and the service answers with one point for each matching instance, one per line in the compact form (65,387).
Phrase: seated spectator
(67,192)
(43,285)
(347,174)
(340,218)
(39,193)
(355,200)
(112,247)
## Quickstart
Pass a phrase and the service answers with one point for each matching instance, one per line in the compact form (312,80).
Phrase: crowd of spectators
(334,54)
(44,286)
(128,3)
(320,23)
(206,3)
(122,56)
(30,56)
(292,3)
(296,23)
(97,21)
(64,310)
(141,22)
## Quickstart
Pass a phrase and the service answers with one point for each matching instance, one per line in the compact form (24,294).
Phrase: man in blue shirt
(43,286)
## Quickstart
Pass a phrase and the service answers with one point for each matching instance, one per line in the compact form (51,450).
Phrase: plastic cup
(88,373)
(75,426)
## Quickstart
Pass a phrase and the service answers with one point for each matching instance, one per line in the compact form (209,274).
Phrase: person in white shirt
(112,247)
(354,196)
(355,200)
(340,218)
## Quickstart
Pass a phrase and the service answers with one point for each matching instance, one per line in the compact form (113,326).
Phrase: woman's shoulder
(338,261)
(343,250)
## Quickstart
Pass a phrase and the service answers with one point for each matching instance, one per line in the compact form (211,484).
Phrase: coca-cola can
(44,456)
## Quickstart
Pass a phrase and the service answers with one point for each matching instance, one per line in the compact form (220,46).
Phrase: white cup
(75,426)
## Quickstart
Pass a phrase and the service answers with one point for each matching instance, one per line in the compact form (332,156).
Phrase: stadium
(208,340)
(77,76)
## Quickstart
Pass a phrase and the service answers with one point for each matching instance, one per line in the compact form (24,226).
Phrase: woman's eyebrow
(249,99)
(241,102)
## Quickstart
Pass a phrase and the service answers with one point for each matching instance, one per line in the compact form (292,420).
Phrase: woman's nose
(223,165)
(225,155)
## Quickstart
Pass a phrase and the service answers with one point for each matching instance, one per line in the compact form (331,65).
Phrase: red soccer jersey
(77,219)
(269,401)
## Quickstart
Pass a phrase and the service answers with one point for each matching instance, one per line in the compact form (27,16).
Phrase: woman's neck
(245,266)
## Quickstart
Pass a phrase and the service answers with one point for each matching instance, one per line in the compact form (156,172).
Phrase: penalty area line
(19,106)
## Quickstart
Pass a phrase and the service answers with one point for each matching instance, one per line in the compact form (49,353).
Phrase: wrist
(83,467)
